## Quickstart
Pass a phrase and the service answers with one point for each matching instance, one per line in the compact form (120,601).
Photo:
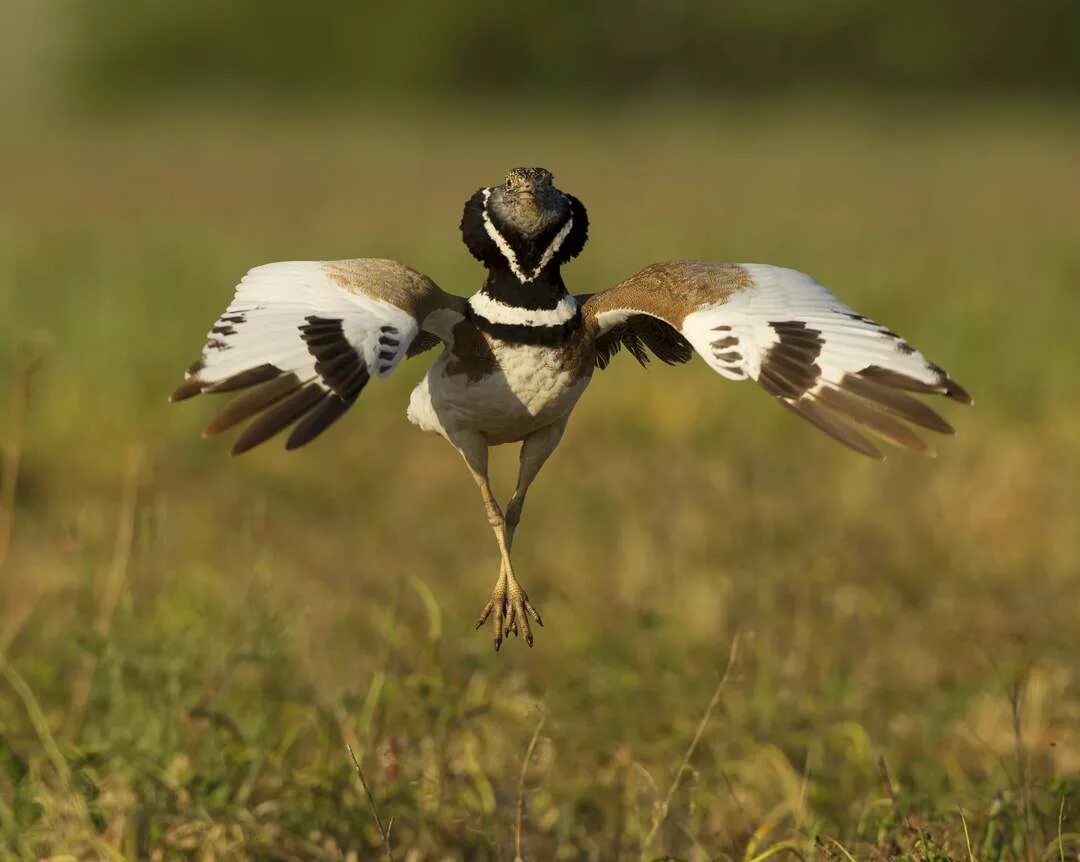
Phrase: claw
(518,604)
(511,608)
(488,608)
(525,625)
(500,625)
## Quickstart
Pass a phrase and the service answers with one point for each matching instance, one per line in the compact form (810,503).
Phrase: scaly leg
(509,601)
(535,450)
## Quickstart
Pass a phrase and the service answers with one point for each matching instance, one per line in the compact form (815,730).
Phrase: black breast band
(520,333)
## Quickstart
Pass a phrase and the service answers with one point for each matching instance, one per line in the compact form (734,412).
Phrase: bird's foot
(510,605)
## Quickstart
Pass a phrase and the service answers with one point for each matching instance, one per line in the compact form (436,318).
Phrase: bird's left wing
(815,355)
(305,337)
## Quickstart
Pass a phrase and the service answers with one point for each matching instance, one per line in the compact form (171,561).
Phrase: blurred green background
(188,642)
(605,51)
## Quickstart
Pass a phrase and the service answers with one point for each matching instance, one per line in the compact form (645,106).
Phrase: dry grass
(236,623)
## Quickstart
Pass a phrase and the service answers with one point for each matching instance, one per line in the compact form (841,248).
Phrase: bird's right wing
(305,337)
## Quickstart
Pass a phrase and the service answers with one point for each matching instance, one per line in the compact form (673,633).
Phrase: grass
(189,643)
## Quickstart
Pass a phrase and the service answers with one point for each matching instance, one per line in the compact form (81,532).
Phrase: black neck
(545,291)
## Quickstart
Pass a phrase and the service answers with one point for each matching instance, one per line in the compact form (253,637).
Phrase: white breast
(530,387)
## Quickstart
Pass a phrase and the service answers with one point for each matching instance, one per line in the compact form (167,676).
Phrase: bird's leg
(535,450)
(509,602)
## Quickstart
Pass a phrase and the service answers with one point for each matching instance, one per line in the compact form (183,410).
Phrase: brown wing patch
(393,282)
(665,293)
(671,290)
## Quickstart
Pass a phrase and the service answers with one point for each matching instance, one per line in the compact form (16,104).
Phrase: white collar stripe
(499,312)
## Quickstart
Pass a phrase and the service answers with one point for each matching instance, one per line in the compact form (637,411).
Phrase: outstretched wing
(303,339)
(815,355)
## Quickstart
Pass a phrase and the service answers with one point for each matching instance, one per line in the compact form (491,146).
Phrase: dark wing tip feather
(275,399)
(244,379)
(949,387)
(275,406)
(191,385)
(189,388)
(866,414)
(875,399)
(957,392)
(278,417)
(253,401)
(896,402)
(318,420)
(838,430)
(944,385)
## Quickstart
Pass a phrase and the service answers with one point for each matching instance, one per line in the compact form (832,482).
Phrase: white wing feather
(778,326)
(851,341)
(275,300)
(305,337)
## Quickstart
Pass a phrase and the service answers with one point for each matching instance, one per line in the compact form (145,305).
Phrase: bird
(301,340)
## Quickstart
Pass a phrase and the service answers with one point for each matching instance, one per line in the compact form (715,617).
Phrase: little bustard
(303,339)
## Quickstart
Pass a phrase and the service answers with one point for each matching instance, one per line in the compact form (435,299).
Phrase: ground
(188,642)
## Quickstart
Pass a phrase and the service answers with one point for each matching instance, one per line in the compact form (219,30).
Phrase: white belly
(529,388)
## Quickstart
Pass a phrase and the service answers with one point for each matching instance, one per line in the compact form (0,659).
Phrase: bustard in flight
(303,339)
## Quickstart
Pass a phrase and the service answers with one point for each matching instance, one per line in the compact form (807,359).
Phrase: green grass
(270,610)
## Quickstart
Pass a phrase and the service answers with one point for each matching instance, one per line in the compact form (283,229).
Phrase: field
(758,645)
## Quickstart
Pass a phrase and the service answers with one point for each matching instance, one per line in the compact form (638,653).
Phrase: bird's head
(525,225)
(528,204)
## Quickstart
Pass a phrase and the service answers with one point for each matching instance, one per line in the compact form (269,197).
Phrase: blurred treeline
(599,49)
